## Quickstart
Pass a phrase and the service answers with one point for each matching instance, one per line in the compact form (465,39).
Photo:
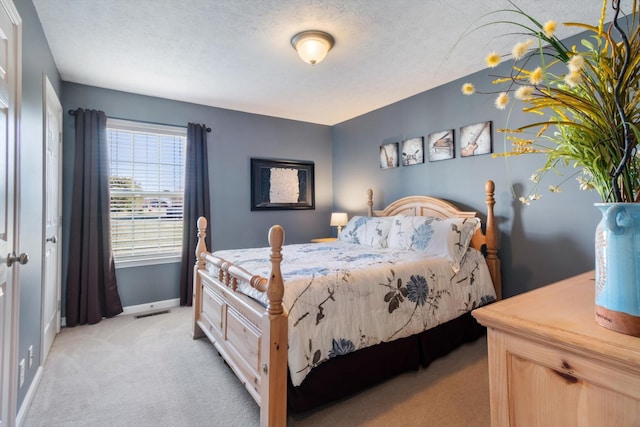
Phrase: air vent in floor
(150,313)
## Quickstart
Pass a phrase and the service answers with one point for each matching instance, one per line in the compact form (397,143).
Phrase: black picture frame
(293,179)
(441,145)
(413,151)
(475,139)
(389,156)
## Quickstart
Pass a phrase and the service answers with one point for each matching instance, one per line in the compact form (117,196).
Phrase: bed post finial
(275,290)
(273,372)
(201,246)
(491,233)
(370,201)
(196,296)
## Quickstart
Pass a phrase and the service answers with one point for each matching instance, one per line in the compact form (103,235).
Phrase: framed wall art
(441,145)
(282,184)
(389,155)
(412,151)
(475,139)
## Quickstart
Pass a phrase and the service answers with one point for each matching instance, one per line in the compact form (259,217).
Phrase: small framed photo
(475,139)
(441,145)
(389,155)
(412,151)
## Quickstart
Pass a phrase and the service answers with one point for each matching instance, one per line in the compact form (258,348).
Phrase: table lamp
(339,219)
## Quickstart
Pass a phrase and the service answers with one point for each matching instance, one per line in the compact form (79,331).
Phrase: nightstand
(551,364)
(324,239)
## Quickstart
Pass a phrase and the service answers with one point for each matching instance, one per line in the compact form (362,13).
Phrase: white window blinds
(146,181)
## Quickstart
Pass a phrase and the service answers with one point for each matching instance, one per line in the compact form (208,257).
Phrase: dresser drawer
(551,364)
(545,385)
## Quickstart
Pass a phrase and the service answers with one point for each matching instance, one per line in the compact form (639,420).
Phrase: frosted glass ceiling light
(312,46)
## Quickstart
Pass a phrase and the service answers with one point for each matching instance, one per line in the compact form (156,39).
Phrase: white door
(53,215)
(10,71)
(7,279)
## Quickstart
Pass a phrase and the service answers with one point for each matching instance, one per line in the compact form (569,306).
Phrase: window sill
(142,262)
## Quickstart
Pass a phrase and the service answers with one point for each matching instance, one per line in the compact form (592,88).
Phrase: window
(146,180)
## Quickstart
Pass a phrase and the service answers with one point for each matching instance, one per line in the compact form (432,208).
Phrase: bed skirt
(345,375)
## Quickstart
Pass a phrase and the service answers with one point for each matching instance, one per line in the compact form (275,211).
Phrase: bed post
(370,201)
(273,398)
(201,247)
(491,233)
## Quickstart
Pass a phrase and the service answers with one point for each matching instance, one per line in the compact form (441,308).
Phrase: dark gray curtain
(92,292)
(196,204)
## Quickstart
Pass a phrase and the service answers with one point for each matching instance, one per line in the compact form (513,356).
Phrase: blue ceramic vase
(618,267)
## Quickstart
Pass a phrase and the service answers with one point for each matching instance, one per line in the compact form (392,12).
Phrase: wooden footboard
(252,339)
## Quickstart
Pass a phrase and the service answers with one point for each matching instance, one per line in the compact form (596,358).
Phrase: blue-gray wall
(37,61)
(235,138)
(551,239)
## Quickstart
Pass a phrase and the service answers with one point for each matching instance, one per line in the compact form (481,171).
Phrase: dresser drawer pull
(570,379)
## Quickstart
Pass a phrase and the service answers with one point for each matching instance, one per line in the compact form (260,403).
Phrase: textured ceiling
(236,54)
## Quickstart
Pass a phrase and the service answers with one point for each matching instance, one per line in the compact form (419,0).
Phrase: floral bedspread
(341,296)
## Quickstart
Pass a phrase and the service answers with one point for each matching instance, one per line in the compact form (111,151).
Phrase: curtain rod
(73,113)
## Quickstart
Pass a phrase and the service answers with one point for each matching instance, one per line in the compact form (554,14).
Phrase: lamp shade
(339,219)
(312,46)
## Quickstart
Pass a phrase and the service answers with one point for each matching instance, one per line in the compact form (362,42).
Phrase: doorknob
(52,239)
(23,258)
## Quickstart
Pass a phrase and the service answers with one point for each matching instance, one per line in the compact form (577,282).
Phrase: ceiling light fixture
(312,46)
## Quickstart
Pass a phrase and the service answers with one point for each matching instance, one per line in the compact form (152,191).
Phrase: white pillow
(367,230)
(449,237)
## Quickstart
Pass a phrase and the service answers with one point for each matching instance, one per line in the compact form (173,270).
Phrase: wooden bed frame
(252,339)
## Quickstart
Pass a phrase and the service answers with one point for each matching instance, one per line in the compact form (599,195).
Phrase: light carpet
(150,372)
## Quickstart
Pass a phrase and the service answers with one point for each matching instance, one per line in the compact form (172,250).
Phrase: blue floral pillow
(449,237)
(411,232)
(367,230)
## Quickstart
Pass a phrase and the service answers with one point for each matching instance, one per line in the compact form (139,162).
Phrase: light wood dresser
(551,364)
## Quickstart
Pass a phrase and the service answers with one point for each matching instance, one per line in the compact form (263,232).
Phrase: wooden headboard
(484,240)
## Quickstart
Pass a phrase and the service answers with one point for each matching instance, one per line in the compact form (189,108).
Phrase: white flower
(530,198)
(524,93)
(520,49)
(573,79)
(585,184)
(502,100)
(576,63)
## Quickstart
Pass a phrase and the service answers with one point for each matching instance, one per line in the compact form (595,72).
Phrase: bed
(418,306)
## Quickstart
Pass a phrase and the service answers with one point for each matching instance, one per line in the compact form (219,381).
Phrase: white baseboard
(141,308)
(22,413)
